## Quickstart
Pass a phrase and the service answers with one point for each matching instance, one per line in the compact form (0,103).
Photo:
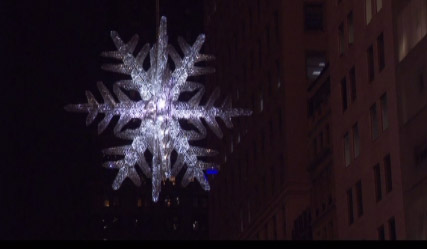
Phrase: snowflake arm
(159,111)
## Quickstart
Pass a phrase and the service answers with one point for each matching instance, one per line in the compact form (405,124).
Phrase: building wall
(320,155)
(263,185)
(372,151)
(411,73)
(376,49)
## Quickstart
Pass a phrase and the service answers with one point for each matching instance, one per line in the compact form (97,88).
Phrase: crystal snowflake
(159,111)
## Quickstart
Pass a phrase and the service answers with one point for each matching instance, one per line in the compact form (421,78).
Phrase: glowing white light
(159,111)
(317,73)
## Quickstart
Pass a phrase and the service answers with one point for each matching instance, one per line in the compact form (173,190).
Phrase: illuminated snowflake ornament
(159,111)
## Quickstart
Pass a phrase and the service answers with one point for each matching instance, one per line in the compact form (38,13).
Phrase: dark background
(49,57)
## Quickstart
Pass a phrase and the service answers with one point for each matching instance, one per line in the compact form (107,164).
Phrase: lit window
(368,10)
(107,203)
(411,26)
(379,5)
(168,202)
(195,225)
(139,203)
(315,64)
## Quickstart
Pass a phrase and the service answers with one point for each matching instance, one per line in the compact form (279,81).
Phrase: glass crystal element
(159,111)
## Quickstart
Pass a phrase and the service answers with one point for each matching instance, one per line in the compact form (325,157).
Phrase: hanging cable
(157,16)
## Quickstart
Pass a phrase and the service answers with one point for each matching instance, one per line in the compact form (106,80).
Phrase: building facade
(268,52)
(354,166)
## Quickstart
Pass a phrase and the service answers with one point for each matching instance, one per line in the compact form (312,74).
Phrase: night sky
(50,56)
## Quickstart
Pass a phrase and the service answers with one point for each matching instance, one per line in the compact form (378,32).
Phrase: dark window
(313,16)
(371,69)
(350,206)
(279,114)
(250,18)
(377,179)
(341,38)
(276,24)
(327,131)
(344,94)
(271,133)
(356,140)
(384,111)
(347,155)
(387,173)
(350,24)
(275,228)
(282,169)
(381,53)
(255,152)
(321,141)
(359,197)
(352,78)
(374,122)
(381,233)
(392,228)
(252,61)
(315,147)
(421,83)
(420,153)
(278,73)
(284,220)
(273,178)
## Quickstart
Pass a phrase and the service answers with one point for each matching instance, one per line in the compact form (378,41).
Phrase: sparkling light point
(159,111)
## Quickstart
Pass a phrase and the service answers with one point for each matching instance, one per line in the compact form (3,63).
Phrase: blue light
(212,171)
